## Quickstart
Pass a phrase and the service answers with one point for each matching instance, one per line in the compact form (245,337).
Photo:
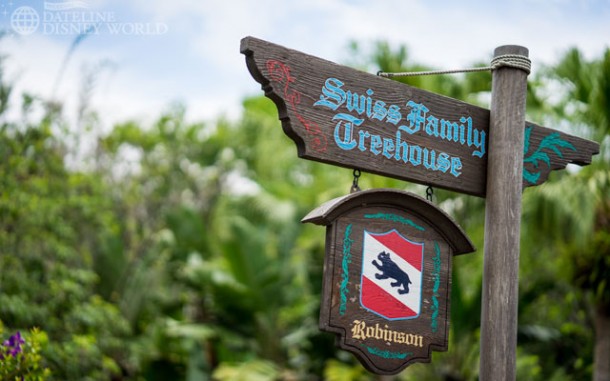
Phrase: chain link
(355,187)
(429,193)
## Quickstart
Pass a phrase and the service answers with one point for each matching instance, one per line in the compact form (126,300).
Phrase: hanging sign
(342,116)
(387,276)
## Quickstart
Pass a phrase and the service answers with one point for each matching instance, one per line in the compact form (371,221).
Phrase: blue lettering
(400,145)
(479,142)
(346,142)
(443,162)
(379,110)
(456,165)
(454,130)
(445,125)
(333,96)
(394,115)
(462,130)
(417,116)
(429,159)
(415,155)
(432,126)
(355,102)
(388,147)
(362,140)
(375,144)
(348,136)
(369,103)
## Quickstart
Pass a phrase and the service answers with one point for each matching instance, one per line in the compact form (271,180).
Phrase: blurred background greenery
(174,250)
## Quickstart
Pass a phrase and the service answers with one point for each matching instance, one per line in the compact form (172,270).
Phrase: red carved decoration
(280,73)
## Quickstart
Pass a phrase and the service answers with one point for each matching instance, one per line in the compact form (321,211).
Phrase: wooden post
(502,220)
(488,160)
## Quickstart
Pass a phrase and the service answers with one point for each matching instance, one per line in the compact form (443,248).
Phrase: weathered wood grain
(297,83)
(502,222)
(386,344)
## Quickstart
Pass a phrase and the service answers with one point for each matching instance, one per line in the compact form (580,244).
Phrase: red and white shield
(391,275)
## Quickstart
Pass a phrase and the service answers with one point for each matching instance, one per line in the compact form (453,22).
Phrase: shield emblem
(391,275)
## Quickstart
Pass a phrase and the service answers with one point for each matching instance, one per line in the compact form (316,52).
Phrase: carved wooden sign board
(342,116)
(387,273)
(387,276)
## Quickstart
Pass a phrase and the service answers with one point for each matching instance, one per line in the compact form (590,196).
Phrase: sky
(149,54)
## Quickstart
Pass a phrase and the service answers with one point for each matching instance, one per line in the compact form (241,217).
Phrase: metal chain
(355,187)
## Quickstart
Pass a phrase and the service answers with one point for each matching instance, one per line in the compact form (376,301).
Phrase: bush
(20,358)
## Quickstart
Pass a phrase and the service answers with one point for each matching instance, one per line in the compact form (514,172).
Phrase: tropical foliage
(174,250)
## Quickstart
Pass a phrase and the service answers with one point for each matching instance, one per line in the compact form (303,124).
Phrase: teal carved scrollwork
(436,274)
(347,259)
(550,144)
(395,218)
(387,354)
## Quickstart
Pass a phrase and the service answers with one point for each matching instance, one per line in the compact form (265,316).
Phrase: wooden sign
(349,118)
(387,276)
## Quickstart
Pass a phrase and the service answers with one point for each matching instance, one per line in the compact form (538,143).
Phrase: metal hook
(355,187)
(429,193)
